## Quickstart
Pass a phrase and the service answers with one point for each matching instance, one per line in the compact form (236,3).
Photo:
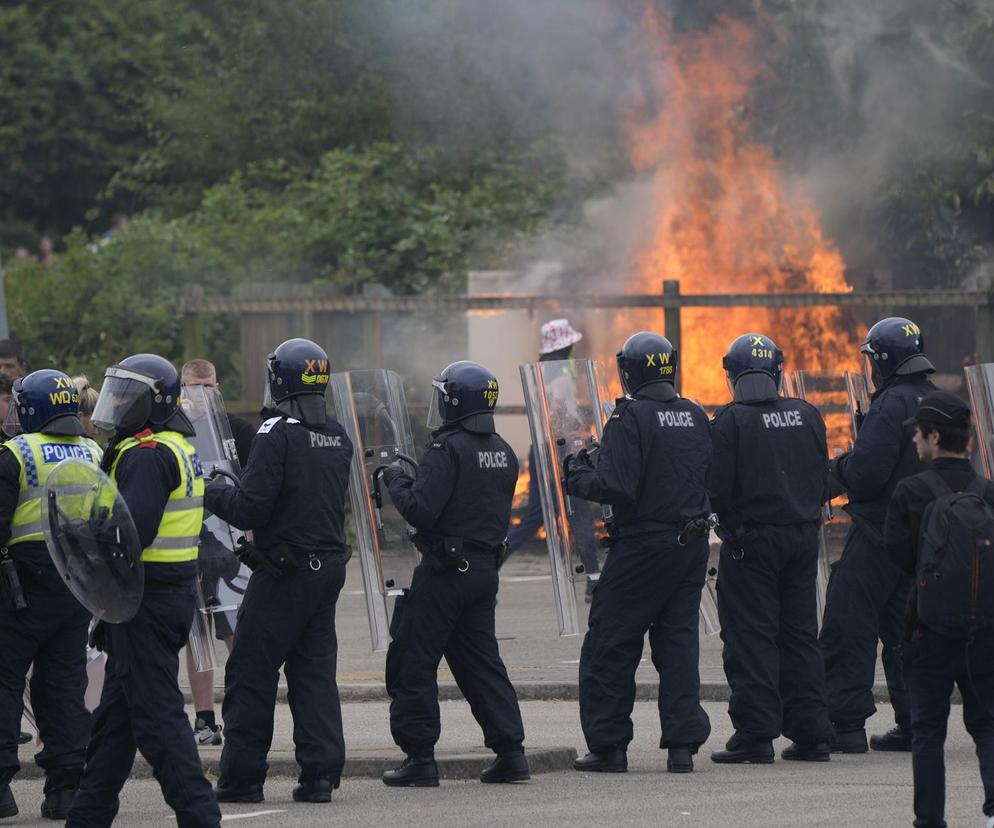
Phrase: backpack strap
(936,485)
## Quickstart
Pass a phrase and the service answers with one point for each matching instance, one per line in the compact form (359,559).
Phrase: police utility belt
(450,552)
(278,560)
(692,530)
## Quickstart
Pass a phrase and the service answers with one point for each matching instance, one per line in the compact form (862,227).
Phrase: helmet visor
(12,422)
(125,401)
(436,406)
(871,368)
(623,374)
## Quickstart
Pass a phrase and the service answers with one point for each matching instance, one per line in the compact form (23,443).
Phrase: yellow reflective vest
(179,531)
(37,454)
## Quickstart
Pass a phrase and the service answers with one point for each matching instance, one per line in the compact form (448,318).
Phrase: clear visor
(12,422)
(870,367)
(124,403)
(436,407)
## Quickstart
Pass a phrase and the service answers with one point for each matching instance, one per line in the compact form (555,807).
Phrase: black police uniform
(652,467)
(867,592)
(938,661)
(141,706)
(768,483)
(463,489)
(292,495)
(51,634)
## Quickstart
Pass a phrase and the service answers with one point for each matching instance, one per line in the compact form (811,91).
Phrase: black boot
(680,760)
(415,772)
(849,740)
(227,790)
(807,752)
(896,739)
(313,790)
(741,751)
(507,767)
(60,788)
(8,807)
(612,760)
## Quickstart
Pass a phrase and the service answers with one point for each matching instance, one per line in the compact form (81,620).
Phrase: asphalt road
(870,790)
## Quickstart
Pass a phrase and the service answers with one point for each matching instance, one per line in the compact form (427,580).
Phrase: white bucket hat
(558,334)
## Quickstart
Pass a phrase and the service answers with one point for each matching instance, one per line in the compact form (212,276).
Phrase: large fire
(725,221)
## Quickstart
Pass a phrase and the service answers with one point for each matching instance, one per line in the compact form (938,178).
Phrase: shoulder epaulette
(620,404)
(146,439)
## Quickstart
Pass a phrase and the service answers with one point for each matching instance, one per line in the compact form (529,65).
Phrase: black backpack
(955,571)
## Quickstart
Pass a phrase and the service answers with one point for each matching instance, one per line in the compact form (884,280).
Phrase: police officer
(942,655)
(768,484)
(652,469)
(459,501)
(292,497)
(867,593)
(44,624)
(158,475)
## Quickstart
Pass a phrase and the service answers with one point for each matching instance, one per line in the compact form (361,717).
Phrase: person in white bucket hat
(558,338)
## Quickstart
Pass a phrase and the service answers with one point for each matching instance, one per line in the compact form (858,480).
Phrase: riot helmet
(466,393)
(44,401)
(298,372)
(141,391)
(895,346)
(754,367)
(645,358)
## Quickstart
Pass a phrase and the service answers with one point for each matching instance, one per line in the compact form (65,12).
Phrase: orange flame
(725,220)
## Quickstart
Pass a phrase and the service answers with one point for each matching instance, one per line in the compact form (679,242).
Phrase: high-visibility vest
(37,454)
(178,538)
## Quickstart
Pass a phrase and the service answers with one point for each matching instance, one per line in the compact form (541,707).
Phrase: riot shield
(372,408)
(223,578)
(858,393)
(794,386)
(980,384)
(93,541)
(565,415)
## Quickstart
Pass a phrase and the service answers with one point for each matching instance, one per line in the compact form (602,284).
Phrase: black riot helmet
(466,393)
(754,366)
(141,391)
(646,357)
(895,346)
(44,401)
(298,373)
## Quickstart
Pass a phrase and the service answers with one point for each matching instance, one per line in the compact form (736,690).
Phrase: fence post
(193,325)
(671,319)
(985,320)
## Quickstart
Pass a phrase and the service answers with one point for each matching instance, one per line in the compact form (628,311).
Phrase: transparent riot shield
(858,393)
(93,541)
(223,578)
(980,384)
(372,408)
(794,386)
(565,415)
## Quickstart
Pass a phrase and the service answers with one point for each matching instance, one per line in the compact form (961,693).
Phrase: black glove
(394,471)
(249,554)
(836,485)
(98,637)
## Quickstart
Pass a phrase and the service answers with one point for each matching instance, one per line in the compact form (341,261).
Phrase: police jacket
(25,463)
(770,462)
(653,463)
(883,453)
(146,477)
(463,488)
(292,488)
(902,530)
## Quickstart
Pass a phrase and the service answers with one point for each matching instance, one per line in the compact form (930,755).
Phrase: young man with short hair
(960,654)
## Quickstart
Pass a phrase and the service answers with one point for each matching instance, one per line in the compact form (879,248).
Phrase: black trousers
(866,602)
(142,707)
(937,664)
(649,584)
(450,613)
(285,622)
(51,634)
(769,626)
